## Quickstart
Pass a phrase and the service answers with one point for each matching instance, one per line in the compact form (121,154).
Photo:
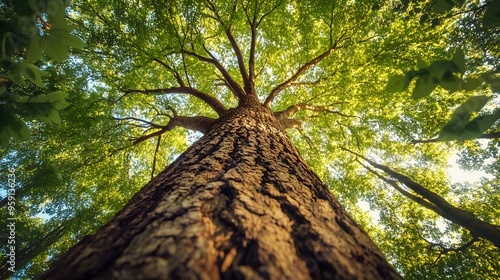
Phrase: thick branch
(461,217)
(251,59)
(241,64)
(291,123)
(493,135)
(198,123)
(395,185)
(210,100)
(301,71)
(234,86)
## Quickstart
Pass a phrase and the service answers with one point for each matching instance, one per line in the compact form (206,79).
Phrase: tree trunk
(240,203)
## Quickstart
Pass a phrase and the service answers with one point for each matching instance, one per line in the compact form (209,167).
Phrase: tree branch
(211,101)
(234,86)
(148,123)
(241,64)
(493,135)
(443,250)
(198,123)
(395,185)
(275,91)
(291,123)
(456,215)
(239,55)
(172,70)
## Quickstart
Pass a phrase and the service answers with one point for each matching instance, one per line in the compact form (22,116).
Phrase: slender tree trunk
(240,203)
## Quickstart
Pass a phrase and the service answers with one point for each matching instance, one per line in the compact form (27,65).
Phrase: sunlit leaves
(31,29)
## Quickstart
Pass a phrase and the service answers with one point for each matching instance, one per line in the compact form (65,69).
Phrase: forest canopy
(390,102)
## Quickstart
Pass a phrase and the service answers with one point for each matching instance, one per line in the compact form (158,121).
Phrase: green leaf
(424,86)
(13,97)
(44,112)
(421,64)
(472,104)
(67,38)
(495,85)
(19,130)
(34,50)
(440,68)
(455,127)
(54,48)
(52,97)
(2,90)
(16,74)
(442,6)
(492,15)
(459,60)
(60,104)
(12,126)
(60,22)
(450,83)
(479,125)
(398,83)
(472,84)
(32,73)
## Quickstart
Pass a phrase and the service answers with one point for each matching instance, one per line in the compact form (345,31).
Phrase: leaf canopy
(348,64)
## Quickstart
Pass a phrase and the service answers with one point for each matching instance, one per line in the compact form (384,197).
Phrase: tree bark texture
(240,203)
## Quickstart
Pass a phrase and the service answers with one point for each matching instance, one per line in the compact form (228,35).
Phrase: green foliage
(442,72)
(81,172)
(29,29)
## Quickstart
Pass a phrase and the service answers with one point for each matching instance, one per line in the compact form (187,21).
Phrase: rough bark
(240,203)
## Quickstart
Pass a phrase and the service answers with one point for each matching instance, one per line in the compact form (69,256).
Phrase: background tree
(340,100)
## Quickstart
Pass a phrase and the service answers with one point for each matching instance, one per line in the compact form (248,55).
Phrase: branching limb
(147,123)
(211,101)
(198,123)
(395,185)
(275,91)
(291,123)
(234,86)
(456,215)
(493,135)
(171,70)
(249,89)
(443,250)
(308,140)
(234,45)
(254,23)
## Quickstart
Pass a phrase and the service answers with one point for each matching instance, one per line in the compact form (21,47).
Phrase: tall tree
(151,69)
(240,203)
